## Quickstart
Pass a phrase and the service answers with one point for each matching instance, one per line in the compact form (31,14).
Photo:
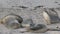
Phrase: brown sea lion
(12,21)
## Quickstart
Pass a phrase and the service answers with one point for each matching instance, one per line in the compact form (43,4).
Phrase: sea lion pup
(50,16)
(12,21)
(39,28)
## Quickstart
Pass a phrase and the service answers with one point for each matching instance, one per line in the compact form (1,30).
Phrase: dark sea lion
(39,28)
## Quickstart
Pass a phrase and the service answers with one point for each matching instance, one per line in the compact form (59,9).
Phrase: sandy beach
(13,6)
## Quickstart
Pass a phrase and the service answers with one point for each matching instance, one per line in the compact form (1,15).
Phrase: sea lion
(50,16)
(12,21)
(39,28)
